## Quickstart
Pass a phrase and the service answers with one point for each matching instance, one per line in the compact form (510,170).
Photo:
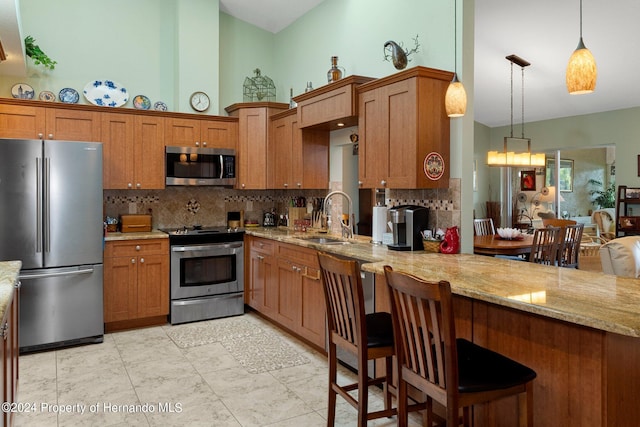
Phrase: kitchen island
(9,300)
(580,331)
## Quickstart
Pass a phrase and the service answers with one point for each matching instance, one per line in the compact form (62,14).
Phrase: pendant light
(581,71)
(511,158)
(455,100)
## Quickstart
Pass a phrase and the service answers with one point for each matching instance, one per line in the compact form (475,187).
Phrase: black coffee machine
(408,221)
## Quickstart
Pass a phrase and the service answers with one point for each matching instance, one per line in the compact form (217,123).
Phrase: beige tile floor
(183,375)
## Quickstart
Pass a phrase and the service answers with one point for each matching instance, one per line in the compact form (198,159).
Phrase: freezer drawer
(60,307)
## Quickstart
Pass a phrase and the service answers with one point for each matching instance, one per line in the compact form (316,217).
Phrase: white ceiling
(544,32)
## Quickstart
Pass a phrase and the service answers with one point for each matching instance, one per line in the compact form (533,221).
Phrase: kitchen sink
(325,240)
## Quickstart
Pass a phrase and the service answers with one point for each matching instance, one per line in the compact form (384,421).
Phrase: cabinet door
(288,282)
(373,159)
(312,317)
(182,132)
(73,125)
(280,153)
(117,146)
(252,149)
(120,283)
(153,285)
(401,107)
(219,134)
(149,152)
(21,122)
(311,147)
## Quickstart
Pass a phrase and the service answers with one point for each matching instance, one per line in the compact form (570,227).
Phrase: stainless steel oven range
(207,273)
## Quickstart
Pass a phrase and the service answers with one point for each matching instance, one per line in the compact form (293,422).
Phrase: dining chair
(452,371)
(557,222)
(544,249)
(366,336)
(569,248)
(484,227)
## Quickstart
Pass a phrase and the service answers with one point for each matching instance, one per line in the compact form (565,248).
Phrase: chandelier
(513,158)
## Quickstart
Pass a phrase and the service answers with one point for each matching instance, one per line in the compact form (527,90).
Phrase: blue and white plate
(22,91)
(160,106)
(106,93)
(69,96)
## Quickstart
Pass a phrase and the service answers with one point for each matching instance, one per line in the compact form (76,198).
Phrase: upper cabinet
(133,151)
(253,134)
(219,133)
(330,105)
(25,120)
(404,130)
(296,158)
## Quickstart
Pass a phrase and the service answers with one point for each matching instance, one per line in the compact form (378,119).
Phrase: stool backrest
(569,249)
(544,249)
(344,300)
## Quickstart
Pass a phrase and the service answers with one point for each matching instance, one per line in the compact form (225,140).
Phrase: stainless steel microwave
(200,166)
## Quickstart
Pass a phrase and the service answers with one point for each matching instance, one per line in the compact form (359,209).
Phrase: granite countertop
(600,301)
(153,234)
(9,271)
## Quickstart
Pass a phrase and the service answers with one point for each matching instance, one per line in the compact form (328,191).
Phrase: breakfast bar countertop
(604,302)
(9,271)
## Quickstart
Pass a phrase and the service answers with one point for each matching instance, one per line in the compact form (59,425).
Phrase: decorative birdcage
(258,88)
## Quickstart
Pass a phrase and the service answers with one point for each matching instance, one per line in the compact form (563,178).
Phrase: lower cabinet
(136,282)
(284,285)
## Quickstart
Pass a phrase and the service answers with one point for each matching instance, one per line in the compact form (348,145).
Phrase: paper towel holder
(379,224)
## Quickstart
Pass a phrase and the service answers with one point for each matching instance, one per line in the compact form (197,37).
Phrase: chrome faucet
(347,229)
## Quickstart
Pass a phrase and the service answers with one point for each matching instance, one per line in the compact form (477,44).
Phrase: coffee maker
(407,222)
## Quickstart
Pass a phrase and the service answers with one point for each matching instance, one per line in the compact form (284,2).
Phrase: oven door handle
(209,247)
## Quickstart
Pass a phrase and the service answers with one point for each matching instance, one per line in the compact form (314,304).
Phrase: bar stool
(454,372)
(366,336)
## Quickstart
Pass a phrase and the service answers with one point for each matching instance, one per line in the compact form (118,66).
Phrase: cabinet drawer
(263,245)
(137,247)
(303,255)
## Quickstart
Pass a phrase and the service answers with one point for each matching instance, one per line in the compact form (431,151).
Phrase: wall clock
(199,101)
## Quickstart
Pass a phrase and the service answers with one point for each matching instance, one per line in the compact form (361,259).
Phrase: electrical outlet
(249,205)
(133,208)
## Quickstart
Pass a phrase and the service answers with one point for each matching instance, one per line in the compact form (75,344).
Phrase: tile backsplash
(177,206)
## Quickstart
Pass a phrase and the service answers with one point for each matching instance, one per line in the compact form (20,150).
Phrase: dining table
(493,244)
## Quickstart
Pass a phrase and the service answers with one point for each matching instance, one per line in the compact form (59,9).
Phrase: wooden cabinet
(24,121)
(284,284)
(10,354)
(401,121)
(220,133)
(628,211)
(261,290)
(136,281)
(253,134)
(133,151)
(332,106)
(297,158)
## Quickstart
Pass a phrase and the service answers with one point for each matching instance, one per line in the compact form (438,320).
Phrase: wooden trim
(135,323)
(417,71)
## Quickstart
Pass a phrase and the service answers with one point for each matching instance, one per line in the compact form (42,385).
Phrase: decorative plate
(433,166)
(160,106)
(69,96)
(106,93)
(141,102)
(47,95)
(22,91)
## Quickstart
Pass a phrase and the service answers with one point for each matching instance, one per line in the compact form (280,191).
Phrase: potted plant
(603,197)
(34,52)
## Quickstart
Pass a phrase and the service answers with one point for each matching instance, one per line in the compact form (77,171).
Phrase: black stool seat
(480,369)
(379,329)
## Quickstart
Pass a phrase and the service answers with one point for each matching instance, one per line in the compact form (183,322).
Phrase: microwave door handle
(221,166)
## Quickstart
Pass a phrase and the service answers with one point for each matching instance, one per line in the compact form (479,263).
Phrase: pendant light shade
(455,99)
(581,71)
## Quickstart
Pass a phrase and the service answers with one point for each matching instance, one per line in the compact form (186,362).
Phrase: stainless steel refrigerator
(51,220)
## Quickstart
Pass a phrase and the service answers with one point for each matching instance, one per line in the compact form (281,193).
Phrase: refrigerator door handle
(47,205)
(38,205)
(62,273)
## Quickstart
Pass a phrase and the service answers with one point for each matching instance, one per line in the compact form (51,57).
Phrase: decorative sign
(433,166)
